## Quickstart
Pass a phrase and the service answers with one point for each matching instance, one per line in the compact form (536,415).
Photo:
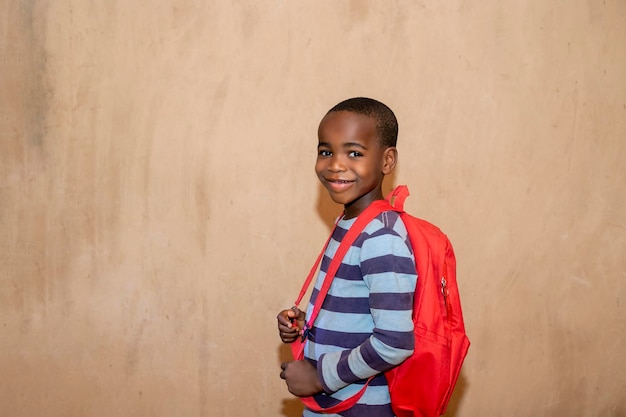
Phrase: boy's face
(351,162)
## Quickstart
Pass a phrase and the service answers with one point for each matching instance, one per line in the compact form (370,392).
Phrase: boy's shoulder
(388,221)
(385,235)
(387,224)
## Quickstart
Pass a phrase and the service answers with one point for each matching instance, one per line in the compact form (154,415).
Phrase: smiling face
(351,161)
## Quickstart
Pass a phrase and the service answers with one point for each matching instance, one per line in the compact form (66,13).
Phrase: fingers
(296,313)
(289,335)
(283,366)
(288,320)
(288,338)
(285,318)
(288,329)
(288,325)
(282,316)
(301,378)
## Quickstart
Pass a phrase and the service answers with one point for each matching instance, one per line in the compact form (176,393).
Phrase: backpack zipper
(445,293)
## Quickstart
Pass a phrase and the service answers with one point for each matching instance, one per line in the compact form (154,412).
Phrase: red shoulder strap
(355,230)
(397,196)
(309,277)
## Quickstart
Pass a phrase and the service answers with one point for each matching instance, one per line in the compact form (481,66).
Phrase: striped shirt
(364,326)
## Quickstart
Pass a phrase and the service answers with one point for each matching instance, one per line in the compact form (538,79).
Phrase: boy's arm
(388,269)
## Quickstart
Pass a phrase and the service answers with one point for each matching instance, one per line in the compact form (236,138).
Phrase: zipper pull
(445,293)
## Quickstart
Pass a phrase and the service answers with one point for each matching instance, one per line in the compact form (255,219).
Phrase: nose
(336,164)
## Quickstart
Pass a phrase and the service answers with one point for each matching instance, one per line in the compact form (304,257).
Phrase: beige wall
(158,204)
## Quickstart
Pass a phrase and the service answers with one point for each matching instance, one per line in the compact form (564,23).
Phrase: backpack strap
(309,277)
(297,347)
(397,196)
(362,220)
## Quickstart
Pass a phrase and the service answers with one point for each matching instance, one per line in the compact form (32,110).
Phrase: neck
(356,207)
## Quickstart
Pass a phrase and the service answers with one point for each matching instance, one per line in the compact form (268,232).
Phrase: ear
(390,159)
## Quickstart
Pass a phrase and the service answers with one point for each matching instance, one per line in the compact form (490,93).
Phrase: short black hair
(386,122)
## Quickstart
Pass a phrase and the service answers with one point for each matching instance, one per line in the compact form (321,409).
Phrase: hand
(290,324)
(301,378)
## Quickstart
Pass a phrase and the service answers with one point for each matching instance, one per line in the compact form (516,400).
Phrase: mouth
(338,184)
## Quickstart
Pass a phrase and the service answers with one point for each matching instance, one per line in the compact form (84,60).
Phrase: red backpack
(420,386)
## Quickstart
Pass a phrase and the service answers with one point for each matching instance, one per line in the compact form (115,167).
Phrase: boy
(364,327)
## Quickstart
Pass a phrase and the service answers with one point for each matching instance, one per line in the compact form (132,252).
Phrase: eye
(324,152)
(354,154)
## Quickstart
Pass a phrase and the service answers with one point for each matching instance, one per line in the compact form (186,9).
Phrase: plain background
(158,204)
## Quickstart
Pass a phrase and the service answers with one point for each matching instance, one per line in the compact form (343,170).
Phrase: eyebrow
(345,145)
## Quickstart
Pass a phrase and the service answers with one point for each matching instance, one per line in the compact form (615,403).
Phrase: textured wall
(158,204)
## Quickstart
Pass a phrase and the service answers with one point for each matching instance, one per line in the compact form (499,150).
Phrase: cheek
(368,171)
(319,167)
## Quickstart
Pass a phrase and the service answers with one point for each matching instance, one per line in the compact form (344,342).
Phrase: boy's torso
(362,298)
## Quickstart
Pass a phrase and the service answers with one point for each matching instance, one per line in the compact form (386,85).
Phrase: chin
(339,199)
(344,201)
